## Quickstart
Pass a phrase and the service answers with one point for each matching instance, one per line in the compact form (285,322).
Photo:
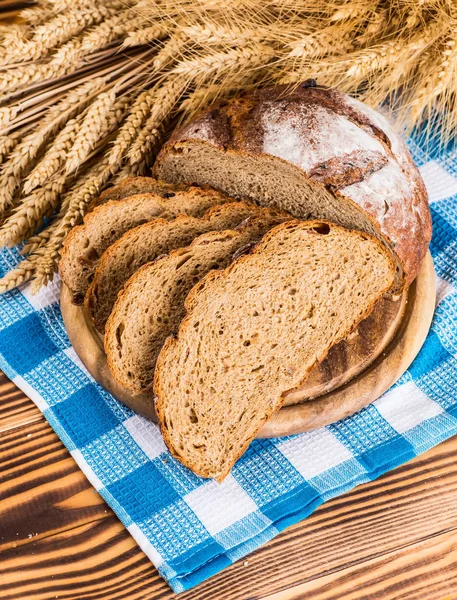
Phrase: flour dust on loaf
(255,330)
(151,305)
(314,152)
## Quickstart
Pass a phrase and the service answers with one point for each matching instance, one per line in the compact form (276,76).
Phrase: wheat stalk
(153,62)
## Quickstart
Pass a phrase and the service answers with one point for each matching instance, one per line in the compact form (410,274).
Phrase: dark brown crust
(240,126)
(214,276)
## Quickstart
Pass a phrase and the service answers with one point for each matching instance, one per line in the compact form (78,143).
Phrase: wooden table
(392,539)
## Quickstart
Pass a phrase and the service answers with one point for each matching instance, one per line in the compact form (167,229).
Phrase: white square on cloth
(147,435)
(439,183)
(406,407)
(228,504)
(45,297)
(315,452)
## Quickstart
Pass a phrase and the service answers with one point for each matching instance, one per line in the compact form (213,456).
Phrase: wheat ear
(165,101)
(130,130)
(54,158)
(26,219)
(19,275)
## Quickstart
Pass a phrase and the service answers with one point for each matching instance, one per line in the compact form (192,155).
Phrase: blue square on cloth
(23,357)
(144,492)
(443,233)
(432,354)
(85,415)
(303,497)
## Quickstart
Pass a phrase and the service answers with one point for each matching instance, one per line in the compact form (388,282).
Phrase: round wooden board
(355,373)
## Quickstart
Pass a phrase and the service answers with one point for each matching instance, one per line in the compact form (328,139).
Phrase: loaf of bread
(151,305)
(147,242)
(86,243)
(254,331)
(314,152)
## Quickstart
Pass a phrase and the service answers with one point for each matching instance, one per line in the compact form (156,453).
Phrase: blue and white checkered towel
(192,528)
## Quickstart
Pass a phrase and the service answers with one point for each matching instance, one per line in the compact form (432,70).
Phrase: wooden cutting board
(356,371)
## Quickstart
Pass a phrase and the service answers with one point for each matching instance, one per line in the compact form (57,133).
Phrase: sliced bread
(254,331)
(151,305)
(147,242)
(86,243)
(131,186)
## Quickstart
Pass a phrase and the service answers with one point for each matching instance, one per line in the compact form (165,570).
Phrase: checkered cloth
(192,528)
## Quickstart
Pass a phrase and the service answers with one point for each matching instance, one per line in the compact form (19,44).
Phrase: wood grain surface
(391,539)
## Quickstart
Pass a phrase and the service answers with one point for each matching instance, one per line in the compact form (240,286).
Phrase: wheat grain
(215,33)
(53,33)
(8,114)
(77,200)
(204,68)
(22,156)
(442,72)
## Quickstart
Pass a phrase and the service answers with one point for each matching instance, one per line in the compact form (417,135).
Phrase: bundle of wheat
(88,90)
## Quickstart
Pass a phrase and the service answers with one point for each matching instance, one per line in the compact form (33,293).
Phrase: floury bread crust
(151,305)
(146,243)
(314,152)
(86,243)
(255,330)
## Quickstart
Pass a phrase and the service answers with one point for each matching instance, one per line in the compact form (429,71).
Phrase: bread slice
(151,305)
(131,186)
(86,243)
(147,242)
(254,331)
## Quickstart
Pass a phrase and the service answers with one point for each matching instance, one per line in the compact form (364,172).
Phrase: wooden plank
(42,491)
(96,560)
(15,408)
(426,570)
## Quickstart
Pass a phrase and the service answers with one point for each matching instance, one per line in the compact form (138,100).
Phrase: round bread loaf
(314,152)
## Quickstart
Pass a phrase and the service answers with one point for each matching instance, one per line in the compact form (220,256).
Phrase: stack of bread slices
(276,222)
